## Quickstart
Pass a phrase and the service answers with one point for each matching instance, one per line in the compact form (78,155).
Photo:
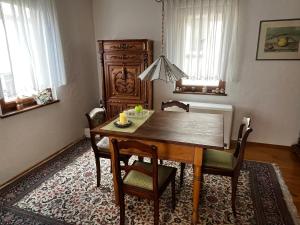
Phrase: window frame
(197,89)
(16,105)
(12,104)
(27,108)
(19,105)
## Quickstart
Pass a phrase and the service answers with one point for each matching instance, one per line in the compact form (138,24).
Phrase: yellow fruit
(282,42)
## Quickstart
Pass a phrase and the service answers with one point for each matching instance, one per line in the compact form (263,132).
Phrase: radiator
(226,110)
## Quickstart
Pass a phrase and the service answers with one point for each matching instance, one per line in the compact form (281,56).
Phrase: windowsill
(26,109)
(199,93)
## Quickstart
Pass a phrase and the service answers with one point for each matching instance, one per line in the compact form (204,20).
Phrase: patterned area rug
(63,191)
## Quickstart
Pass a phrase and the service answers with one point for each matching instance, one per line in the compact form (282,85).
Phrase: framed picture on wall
(279,40)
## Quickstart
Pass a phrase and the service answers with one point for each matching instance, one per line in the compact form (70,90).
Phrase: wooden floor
(288,162)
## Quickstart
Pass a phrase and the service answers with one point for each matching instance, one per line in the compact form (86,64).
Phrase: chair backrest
(138,149)
(173,103)
(240,148)
(246,122)
(96,117)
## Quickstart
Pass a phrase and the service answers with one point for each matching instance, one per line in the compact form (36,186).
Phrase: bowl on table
(131,113)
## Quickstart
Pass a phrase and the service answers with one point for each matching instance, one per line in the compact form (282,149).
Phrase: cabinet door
(114,108)
(122,82)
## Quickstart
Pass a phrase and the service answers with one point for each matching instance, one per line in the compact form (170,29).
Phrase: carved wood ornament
(122,63)
(124,82)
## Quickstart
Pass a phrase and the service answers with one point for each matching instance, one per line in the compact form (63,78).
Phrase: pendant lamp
(162,68)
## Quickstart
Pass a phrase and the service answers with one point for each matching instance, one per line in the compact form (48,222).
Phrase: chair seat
(103,145)
(218,159)
(141,180)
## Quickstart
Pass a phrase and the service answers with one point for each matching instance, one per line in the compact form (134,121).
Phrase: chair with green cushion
(101,145)
(223,163)
(177,106)
(145,180)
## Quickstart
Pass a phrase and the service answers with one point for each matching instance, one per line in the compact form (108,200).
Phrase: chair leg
(141,159)
(98,170)
(173,193)
(234,182)
(182,167)
(122,209)
(126,162)
(156,211)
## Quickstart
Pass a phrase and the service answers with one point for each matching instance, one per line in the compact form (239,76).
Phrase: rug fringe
(287,196)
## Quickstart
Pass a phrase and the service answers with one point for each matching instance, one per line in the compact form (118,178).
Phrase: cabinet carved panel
(124,80)
(122,61)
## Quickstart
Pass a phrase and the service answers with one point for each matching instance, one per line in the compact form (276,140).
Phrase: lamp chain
(162,24)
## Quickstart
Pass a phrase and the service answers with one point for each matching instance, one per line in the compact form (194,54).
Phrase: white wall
(28,138)
(268,90)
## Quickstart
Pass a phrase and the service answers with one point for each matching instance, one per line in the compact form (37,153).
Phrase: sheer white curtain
(201,37)
(31,47)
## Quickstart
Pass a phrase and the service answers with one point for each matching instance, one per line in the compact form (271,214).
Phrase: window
(5,68)
(30,52)
(201,40)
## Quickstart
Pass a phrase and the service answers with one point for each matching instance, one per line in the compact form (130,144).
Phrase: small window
(201,41)
(30,53)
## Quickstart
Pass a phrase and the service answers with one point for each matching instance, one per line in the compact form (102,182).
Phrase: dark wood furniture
(228,164)
(173,103)
(122,62)
(296,148)
(145,180)
(100,145)
(186,107)
(171,133)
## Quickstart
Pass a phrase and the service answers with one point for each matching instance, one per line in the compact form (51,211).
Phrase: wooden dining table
(180,137)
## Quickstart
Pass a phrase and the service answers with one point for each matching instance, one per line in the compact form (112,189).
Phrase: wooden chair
(100,146)
(186,108)
(175,104)
(228,164)
(145,180)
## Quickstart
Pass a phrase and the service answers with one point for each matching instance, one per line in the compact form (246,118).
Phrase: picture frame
(279,40)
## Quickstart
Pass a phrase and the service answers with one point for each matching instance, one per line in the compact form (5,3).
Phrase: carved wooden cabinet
(122,61)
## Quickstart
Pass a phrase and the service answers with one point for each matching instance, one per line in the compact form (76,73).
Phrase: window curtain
(201,37)
(33,44)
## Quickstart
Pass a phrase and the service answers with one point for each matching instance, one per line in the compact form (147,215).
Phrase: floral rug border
(15,191)
(263,213)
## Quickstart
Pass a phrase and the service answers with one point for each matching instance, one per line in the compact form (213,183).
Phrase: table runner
(136,123)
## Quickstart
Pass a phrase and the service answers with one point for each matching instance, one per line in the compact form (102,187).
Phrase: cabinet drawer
(122,57)
(124,46)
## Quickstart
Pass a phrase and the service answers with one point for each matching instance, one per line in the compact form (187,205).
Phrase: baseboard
(39,164)
(269,145)
(264,145)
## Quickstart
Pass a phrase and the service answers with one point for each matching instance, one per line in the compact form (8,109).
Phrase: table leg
(197,183)
(113,161)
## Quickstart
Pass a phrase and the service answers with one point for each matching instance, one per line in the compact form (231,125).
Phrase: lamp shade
(162,69)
